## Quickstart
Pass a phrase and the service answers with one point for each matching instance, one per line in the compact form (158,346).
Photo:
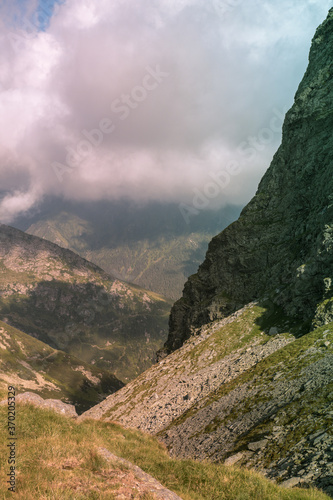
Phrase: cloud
(145,101)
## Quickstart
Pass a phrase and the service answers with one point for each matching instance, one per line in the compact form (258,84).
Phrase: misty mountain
(152,246)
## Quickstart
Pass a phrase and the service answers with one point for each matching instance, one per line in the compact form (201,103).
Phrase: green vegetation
(255,322)
(119,334)
(33,366)
(232,336)
(58,459)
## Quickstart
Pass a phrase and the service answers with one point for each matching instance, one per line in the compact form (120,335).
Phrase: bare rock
(153,486)
(234,459)
(257,445)
(289,483)
(51,404)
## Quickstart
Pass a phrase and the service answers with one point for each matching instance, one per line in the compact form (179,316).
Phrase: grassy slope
(57,459)
(252,325)
(123,340)
(288,362)
(33,366)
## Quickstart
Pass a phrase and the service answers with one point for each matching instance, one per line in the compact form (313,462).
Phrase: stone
(257,445)
(51,404)
(156,488)
(289,483)
(233,459)
(320,438)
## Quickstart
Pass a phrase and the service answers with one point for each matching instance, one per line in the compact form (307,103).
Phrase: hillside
(72,305)
(29,364)
(151,246)
(62,460)
(239,392)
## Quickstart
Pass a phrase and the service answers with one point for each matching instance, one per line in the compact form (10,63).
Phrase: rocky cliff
(281,247)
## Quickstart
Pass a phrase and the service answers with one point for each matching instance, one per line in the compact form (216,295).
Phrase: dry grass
(57,459)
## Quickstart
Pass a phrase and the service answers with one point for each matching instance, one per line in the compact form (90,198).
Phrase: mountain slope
(282,244)
(151,246)
(238,392)
(72,305)
(29,364)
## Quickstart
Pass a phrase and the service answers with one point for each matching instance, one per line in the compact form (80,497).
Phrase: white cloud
(231,67)
(17,202)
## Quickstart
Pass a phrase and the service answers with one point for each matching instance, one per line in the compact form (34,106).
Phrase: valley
(32,365)
(215,380)
(151,245)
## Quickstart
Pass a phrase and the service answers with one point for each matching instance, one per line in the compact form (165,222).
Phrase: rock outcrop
(56,405)
(144,482)
(281,246)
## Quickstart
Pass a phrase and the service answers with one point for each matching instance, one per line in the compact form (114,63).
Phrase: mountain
(245,376)
(150,245)
(29,364)
(281,245)
(72,305)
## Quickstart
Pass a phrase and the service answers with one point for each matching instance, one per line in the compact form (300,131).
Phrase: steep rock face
(72,305)
(281,246)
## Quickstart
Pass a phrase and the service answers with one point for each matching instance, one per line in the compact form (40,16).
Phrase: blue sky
(45,8)
(39,14)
